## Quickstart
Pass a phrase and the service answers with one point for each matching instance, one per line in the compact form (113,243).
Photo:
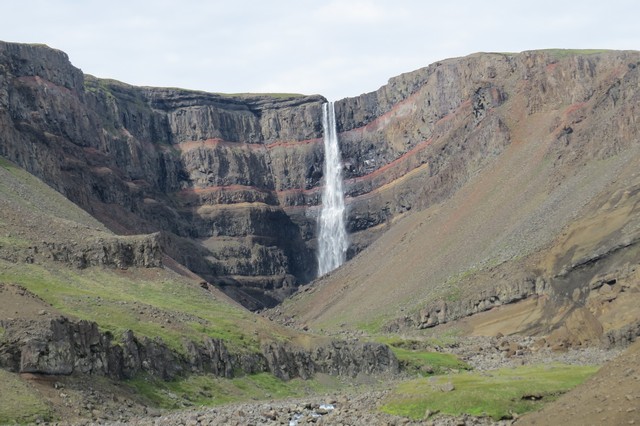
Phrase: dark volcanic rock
(120,252)
(233,182)
(207,170)
(337,358)
(60,346)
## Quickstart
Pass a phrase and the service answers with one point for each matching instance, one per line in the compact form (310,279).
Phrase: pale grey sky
(334,48)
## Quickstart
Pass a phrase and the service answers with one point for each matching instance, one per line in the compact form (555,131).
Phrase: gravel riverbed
(361,407)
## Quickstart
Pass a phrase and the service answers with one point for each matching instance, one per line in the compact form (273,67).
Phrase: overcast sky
(334,48)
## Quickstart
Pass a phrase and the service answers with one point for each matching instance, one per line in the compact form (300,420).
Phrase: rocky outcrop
(143,251)
(204,169)
(61,347)
(595,296)
(337,358)
(443,311)
(118,251)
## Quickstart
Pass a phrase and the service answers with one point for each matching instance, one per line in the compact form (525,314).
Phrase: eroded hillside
(472,171)
(84,309)
(523,188)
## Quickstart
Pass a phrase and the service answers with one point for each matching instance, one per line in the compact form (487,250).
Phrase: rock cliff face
(214,173)
(61,347)
(233,182)
(520,171)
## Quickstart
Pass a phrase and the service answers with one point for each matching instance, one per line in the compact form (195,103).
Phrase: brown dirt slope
(557,207)
(611,397)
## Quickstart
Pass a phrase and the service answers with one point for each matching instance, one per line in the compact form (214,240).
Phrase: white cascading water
(332,239)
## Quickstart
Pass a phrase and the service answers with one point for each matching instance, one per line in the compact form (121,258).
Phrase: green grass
(371,327)
(19,403)
(14,242)
(114,299)
(98,85)
(6,164)
(208,390)
(496,394)
(454,294)
(425,362)
(418,356)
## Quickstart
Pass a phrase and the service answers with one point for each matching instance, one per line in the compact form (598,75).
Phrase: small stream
(322,410)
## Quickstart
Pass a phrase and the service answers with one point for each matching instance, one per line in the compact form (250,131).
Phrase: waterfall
(332,239)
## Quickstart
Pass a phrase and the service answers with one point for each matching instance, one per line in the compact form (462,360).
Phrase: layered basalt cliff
(521,174)
(233,182)
(214,173)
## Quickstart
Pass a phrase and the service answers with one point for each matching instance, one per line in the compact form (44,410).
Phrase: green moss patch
(419,357)
(19,403)
(426,363)
(497,394)
(208,390)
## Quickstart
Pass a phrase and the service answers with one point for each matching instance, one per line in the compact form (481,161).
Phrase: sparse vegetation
(509,197)
(98,85)
(150,306)
(427,363)
(562,53)
(19,403)
(372,327)
(13,242)
(207,390)
(419,357)
(453,294)
(497,394)
(269,95)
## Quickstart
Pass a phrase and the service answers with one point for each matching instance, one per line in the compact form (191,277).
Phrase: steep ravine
(77,301)
(502,186)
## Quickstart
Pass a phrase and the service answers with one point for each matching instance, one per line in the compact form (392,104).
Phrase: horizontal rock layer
(498,157)
(235,181)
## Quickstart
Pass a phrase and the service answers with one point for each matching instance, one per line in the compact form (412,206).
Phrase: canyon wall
(233,182)
(219,176)
(520,175)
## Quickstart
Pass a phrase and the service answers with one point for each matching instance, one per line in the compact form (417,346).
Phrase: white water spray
(332,239)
